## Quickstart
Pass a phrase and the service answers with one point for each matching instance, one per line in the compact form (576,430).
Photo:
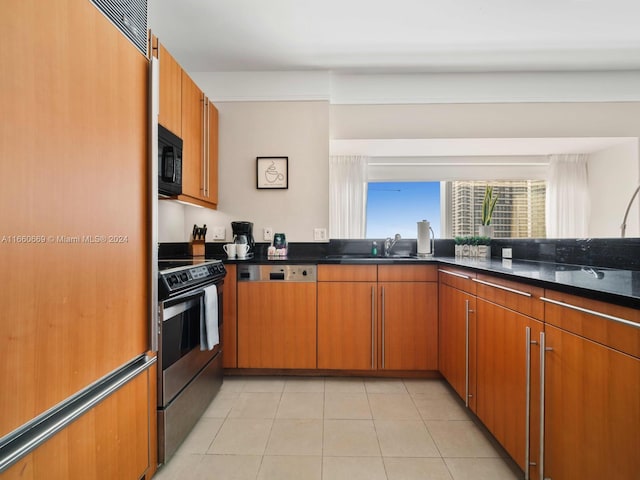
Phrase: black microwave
(169,163)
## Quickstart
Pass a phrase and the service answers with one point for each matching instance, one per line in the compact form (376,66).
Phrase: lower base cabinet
(592,410)
(277,325)
(346,325)
(504,356)
(108,442)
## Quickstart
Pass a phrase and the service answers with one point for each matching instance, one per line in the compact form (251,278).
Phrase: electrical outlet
(267,234)
(219,233)
(319,233)
(507,253)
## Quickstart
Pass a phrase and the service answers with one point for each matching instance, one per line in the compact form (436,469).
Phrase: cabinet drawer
(407,273)
(347,273)
(457,278)
(516,296)
(592,319)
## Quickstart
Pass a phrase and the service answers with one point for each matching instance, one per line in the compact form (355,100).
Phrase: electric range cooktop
(176,276)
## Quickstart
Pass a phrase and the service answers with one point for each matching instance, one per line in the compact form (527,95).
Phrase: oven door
(180,354)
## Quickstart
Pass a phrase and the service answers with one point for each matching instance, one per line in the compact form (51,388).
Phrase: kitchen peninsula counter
(613,285)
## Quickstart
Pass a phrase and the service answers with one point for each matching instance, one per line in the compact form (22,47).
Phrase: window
(396,207)
(519,213)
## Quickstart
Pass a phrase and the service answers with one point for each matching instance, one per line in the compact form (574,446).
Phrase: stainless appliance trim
(592,312)
(31,435)
(172,311)
(154,107)
(277,273)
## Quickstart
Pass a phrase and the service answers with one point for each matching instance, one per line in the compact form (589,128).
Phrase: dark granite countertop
(577,268)
(618,286)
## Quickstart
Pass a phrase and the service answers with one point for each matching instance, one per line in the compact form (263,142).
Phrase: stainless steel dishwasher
(277,316)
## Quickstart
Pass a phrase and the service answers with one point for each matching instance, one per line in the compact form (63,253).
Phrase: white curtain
(567,208)
(347,196)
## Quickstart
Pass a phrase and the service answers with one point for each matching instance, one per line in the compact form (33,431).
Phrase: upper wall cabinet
(170,115)
(186,111)
(200,148)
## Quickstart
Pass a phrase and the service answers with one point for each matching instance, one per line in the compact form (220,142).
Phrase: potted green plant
(488,205)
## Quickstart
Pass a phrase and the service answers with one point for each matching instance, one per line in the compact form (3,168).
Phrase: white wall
(617,167)
(498,120)
(299,130)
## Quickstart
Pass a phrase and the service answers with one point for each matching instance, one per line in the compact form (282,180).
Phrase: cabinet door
(212,168)
(170,115)
(456,308)
(409,325)
(109,441)
(501,378)
(346,325)
(276,325)
(74,155)
(230,316)
(592,410)
(192,137)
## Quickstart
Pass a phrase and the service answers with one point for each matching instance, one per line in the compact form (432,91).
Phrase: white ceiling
(399,36)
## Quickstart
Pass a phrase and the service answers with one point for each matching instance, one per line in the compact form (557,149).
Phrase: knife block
(196,248)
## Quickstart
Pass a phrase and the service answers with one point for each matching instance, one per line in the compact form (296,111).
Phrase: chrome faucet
(388,244)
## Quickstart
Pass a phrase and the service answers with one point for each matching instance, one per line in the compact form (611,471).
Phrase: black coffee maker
(246,229)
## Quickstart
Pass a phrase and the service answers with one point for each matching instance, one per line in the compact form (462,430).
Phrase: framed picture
(272,172)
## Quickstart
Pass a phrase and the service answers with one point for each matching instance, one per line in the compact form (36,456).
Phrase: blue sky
(396,207)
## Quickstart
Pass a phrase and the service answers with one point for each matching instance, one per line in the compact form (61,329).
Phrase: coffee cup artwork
(272,172)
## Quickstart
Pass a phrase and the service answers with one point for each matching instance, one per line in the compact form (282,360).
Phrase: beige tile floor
(309,428)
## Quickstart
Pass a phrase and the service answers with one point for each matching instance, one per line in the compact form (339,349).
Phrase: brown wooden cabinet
(369,325)
(277,325)
(408,325)
(504,355)
(230,316)
(200,146)
(592,390)
(109,441)
(73,311)
(170,114)
(186,111)
(507,325)
(347,317)
(457,341)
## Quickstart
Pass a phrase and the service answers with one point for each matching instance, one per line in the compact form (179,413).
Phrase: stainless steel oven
(191,373)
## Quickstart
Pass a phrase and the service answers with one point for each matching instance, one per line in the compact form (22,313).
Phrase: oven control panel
(183,278)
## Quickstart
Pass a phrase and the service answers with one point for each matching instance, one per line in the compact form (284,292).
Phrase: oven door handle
(178,308)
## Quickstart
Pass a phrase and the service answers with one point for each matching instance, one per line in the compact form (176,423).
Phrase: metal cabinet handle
(466,349)
(527,440)
(494,285)
(592,312)
(383,319)
(206,177)
(454,274)
(373,327)
(204,110)
(543,350)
